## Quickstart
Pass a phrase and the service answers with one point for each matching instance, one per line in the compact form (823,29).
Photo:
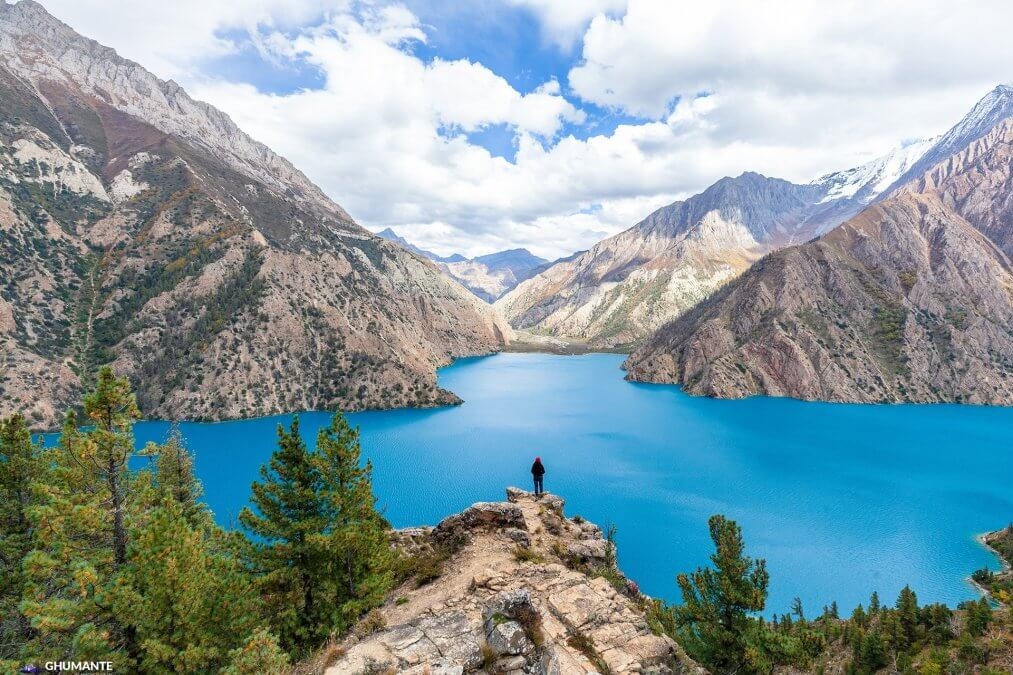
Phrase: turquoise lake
(840,499)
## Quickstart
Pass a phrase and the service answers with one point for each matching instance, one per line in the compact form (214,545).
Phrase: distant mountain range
(910,300)
(391,235)
(627,286)
(142,228)
(487,276)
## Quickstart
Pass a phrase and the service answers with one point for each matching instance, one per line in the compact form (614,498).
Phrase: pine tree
(357,541)
(907,615)
(81,533)
(797,610)
(189,603)
(19,468)
(320,545)
(261,655)
(714,617)
(979,615)
(175,480)
(288,514)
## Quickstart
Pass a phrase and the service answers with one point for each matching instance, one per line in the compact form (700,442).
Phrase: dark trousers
(538,485)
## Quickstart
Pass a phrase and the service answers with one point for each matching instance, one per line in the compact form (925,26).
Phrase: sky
(477,126)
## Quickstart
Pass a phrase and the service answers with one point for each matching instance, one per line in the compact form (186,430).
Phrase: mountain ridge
(634,282)
(911,300)
(488,276)
(145,230)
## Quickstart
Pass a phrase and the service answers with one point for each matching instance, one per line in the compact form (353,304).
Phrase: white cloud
(658,51)
(171,38)
(564,21)
(794,89)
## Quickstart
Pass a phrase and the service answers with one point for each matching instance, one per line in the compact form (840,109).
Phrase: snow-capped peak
(869,180)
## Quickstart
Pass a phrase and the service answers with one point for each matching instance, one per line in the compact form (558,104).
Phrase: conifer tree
(81,536)
(320,545)
(19,468)
(189,604)
(874,604)
(714,617)
(907,617)
(357,541)
(175,480)
(288,514)
(261,655)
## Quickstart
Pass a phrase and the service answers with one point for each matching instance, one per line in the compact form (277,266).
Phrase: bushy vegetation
(99,561)
(999,585)
(718,624)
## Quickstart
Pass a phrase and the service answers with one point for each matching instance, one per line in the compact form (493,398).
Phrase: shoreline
(1005,566)
(532,343)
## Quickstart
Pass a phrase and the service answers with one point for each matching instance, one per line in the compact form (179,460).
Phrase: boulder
(507,638)
(509,604)
(518,536)
(483,515)
(455,638)
(592,552)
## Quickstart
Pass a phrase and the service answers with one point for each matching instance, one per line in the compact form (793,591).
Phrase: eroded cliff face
(911,300)
(142,228)
(514,597)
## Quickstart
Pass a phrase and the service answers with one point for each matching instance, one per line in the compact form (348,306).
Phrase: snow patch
(869,180)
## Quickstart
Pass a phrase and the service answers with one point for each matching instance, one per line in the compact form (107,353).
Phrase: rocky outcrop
(912,300)
(514,604)
(142,228)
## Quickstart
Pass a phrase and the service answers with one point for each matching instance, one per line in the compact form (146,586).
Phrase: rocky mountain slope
(391,235)
(630,284)
(993,108)
(143,228)
(487,276)
(911,300)
(491,276)
(518,594)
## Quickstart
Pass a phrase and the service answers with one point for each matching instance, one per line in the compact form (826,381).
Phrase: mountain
(490,276)
(632,283)
(487,276)
(994,107)
(911,300)
(517,260)
(142,228)
(391,235)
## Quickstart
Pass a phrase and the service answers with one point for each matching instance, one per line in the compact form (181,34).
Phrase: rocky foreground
(526,590)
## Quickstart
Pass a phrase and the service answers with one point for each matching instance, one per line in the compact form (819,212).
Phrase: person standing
(537,472)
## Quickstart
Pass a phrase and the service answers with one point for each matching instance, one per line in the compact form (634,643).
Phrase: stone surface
(507,638)
(522,613)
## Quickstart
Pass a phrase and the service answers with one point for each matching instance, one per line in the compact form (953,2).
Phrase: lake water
(840,499)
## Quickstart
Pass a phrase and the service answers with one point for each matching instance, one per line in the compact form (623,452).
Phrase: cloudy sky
(488,124)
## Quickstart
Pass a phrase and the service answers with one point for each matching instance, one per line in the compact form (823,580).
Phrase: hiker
(537,471)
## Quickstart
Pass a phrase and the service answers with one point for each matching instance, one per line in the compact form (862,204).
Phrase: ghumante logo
(69,667)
